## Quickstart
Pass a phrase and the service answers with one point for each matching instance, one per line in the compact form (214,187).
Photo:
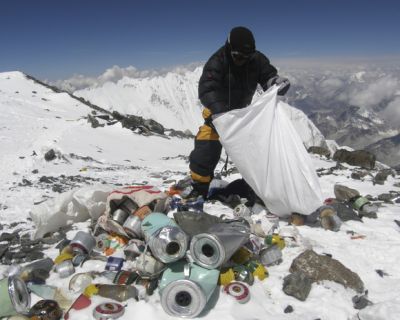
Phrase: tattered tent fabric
(269,154)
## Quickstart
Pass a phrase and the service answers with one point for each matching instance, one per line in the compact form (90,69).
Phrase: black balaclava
(241,39)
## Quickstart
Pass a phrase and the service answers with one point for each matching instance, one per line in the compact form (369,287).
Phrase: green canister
(186,288)
(14,297)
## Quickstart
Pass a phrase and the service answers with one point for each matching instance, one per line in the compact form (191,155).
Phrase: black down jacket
(223,86)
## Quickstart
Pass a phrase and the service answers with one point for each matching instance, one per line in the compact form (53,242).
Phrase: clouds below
(114,74)
(316,84)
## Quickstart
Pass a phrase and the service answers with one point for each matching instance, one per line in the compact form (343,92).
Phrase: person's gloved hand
(281,82)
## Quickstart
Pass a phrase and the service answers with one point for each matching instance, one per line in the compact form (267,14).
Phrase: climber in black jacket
(229,81)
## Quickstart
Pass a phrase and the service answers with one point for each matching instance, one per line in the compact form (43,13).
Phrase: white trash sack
(73,206)
(271,157)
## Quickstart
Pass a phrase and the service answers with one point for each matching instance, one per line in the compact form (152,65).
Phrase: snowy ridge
(172,100)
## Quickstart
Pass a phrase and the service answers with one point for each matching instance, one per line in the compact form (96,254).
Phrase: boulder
(343,193)
(361,158)
(320,267)
(50,155)
(319,150)
(382,176)
(297,285)
(153,126)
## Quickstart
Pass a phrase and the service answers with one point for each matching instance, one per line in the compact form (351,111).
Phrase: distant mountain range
(329,98)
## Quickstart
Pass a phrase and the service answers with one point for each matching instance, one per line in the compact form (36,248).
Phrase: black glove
(281,82)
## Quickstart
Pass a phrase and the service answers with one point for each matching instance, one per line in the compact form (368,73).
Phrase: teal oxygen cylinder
(166,240)
(186,288)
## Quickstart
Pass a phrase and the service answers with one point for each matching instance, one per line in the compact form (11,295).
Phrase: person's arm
(211,91)
(269,76)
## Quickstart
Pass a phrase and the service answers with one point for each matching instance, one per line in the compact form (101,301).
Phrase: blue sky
(56,39)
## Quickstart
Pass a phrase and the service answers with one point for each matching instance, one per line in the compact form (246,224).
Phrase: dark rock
(131,122)
(45,179)
(386,197)
(55,238)
(5,236)
(343,193)
(358,175)
(35,171)
(319,150)
(366,214)
(117,116)
(382,176)
(19,255)
(381,273)
(361,158)
(34,255)
(297,285)
(288,309)
(25,183)
(3,249)
(320,267)
(27,249)
(57,188)
(361,301)
(180,134)
(50,155)
(154,126)
(94,122)
(103,117)
(345,212)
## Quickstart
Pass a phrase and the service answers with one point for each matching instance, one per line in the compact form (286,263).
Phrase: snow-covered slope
(36,119)
(170,99)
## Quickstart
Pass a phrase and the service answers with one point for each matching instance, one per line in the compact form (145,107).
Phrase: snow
(119,156)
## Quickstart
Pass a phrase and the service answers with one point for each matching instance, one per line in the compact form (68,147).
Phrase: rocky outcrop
(361,158)
(320,267)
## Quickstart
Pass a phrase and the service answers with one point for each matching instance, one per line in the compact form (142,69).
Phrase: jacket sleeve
(211,91)
(267,71)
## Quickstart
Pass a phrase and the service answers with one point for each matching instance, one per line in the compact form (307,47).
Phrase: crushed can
(147,266)
(114,263)
(108,311)
(185,289)
(83,243)
(212,249)
(142,212)
(14,297)
(241,211)
(270,255)
(134,249)
(117,292)
(119,216)
(166,240)
(238,291)
(65,269)
(125,277)
(187,205)
(133,227)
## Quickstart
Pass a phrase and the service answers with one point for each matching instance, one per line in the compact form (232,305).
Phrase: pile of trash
(153,241)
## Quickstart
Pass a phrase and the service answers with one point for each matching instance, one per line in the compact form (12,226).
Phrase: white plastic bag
(269,154)
(72,206)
